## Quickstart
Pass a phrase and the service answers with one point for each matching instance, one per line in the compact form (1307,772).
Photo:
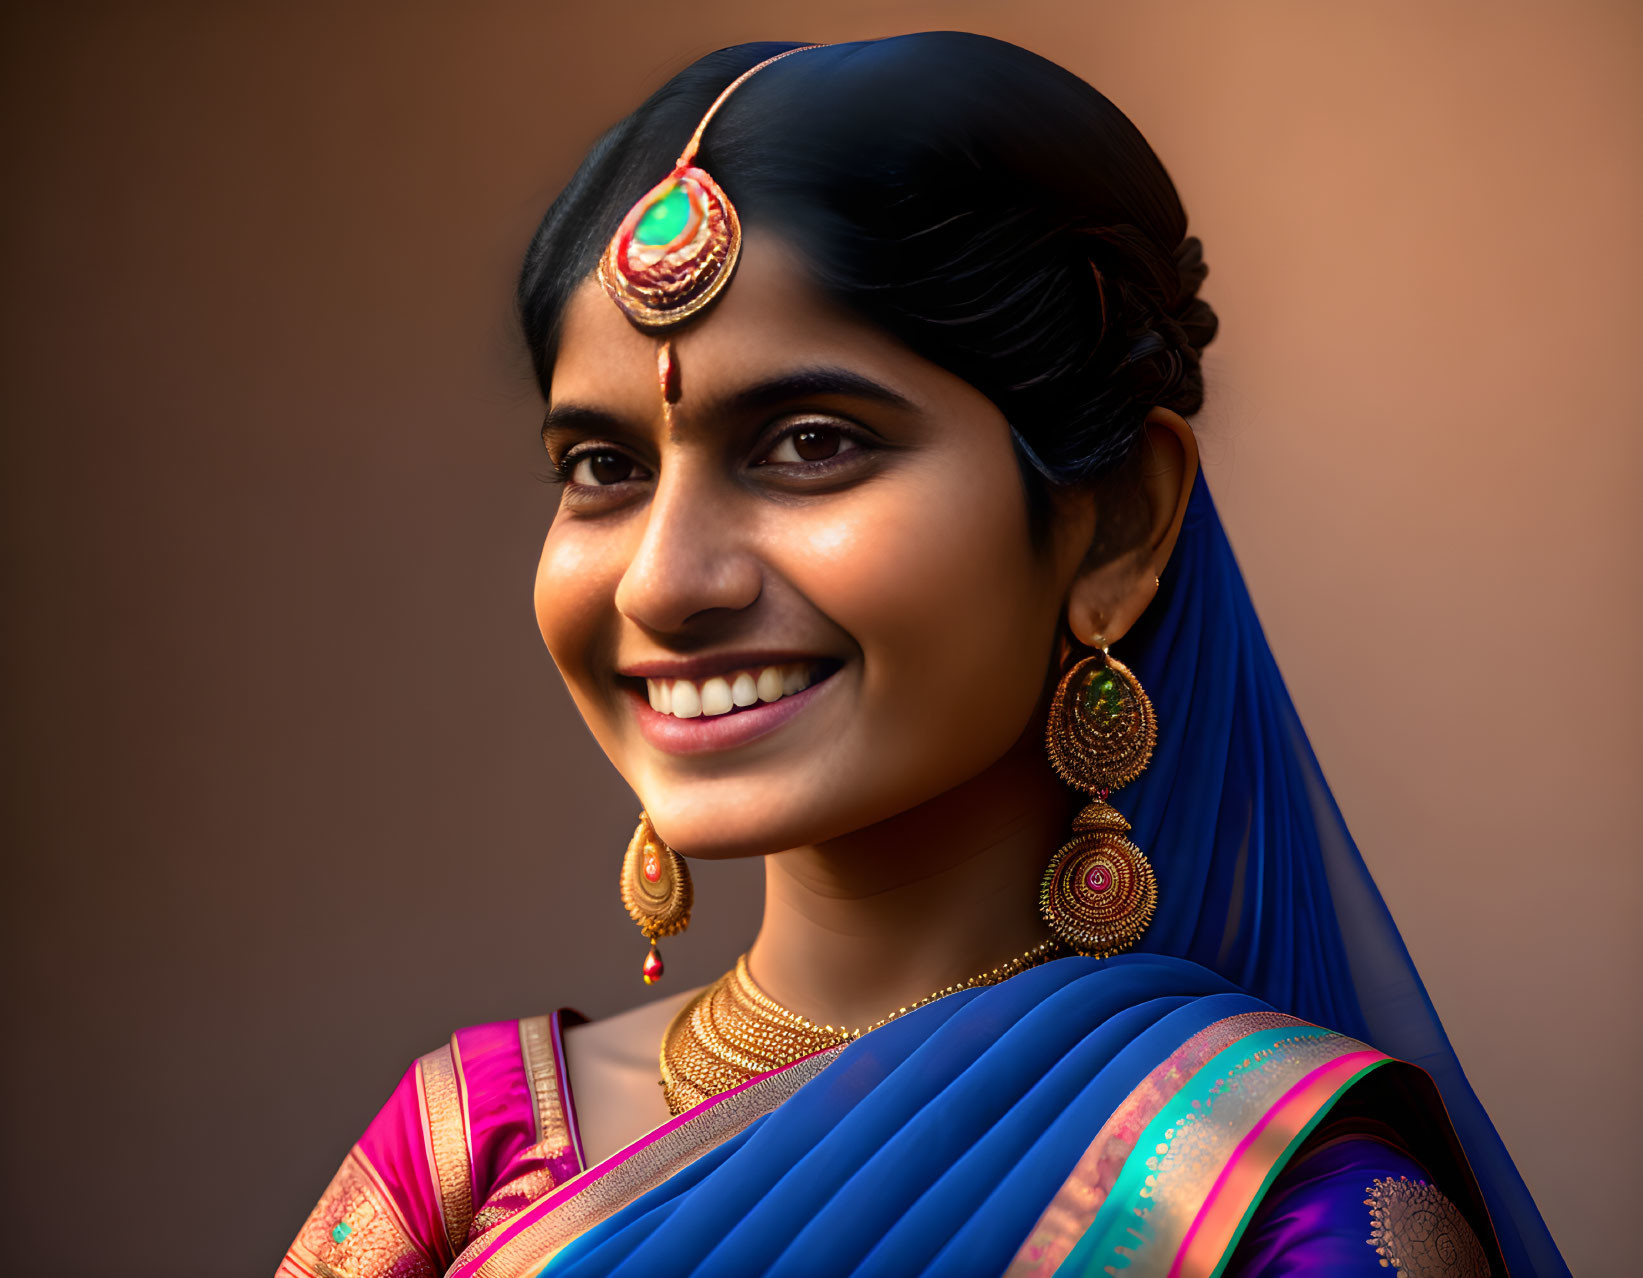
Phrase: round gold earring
(656,891)
(1099,893)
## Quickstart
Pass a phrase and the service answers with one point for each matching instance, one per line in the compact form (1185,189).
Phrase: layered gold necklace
(733,1031)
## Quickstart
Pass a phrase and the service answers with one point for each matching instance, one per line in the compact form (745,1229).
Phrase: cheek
(575,582)
(935,578)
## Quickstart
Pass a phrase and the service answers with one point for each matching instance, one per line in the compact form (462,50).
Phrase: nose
(693,557)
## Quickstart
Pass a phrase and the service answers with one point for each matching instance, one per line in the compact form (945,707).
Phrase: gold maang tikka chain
(733,1031)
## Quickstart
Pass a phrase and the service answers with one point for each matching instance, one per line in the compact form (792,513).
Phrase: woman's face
(810,604)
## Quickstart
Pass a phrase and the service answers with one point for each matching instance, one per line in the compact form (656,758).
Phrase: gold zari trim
(445,1129)
(536,1047)
(1417,1231)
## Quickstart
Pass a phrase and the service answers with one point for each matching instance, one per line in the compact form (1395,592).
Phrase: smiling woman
(871,415)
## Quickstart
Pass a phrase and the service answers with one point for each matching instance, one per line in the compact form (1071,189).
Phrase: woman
(869,369)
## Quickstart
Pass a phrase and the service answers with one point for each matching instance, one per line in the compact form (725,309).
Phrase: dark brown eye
(602,468)
(816,445)
(810,444)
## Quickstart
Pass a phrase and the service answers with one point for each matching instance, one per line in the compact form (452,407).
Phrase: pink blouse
(475,1132)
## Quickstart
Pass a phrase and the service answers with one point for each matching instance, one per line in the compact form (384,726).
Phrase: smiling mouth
(735,690)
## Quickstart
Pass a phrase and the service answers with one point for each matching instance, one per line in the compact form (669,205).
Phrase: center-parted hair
(980,203)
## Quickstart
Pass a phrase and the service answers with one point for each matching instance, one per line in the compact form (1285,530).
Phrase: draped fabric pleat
(932,1144)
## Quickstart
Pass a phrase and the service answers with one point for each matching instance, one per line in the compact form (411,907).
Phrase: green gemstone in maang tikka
(665,219)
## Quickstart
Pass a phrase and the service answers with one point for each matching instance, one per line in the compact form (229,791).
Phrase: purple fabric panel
(1314,1220)
(394,1146)
(501,1110)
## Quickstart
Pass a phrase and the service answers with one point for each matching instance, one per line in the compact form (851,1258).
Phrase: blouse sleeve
(403,1203)
(1357,1207)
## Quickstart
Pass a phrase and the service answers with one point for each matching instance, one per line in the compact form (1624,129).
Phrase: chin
(737,818)
(723,830)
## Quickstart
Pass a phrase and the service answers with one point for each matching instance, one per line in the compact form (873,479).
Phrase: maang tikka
(677,247)
(672,255)
(1098,893)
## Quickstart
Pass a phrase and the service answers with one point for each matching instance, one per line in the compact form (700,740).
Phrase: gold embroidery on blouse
(445,1129)
(536,1046)
(354,1232)
(1417,1231)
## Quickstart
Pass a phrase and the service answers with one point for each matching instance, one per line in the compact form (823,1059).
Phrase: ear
(1108,597)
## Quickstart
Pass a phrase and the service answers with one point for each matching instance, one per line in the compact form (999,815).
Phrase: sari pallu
(1122,1116)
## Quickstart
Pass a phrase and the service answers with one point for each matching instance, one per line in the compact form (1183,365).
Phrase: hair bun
(1195,316)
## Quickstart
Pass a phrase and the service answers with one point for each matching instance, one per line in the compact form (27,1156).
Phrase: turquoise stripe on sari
(1201,1165)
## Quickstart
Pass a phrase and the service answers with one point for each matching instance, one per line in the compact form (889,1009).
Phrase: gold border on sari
(439,1089)
(1173,1204)
(603,1190)
(1074,1207)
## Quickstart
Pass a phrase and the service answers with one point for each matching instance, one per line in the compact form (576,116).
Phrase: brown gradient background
(292,789)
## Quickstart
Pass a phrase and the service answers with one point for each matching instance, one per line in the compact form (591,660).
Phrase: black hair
(980,203)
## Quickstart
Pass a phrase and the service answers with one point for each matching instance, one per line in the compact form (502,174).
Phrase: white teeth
(687,702)
(716,697)
(723,693)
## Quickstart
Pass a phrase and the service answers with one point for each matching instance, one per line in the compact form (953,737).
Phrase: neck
(859,926)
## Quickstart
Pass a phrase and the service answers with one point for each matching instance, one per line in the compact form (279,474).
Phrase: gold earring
(1099,893)
(656,891)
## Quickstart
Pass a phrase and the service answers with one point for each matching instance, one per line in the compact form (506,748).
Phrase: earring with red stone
(1098,893)
(656,891)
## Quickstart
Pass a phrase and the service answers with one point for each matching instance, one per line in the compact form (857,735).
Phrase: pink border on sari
(1231,1198)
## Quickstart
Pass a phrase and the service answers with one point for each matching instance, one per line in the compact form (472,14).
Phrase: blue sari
(1089,1117)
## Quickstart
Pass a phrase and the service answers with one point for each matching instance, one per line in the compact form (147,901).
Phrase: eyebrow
(801,383)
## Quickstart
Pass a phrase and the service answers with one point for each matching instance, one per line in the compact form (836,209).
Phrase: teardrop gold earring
(656,890)
(1099,893)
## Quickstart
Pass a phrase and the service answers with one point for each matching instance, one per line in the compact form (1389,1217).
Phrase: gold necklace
(733,1031)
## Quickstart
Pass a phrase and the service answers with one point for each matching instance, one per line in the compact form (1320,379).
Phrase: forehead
(770,317)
